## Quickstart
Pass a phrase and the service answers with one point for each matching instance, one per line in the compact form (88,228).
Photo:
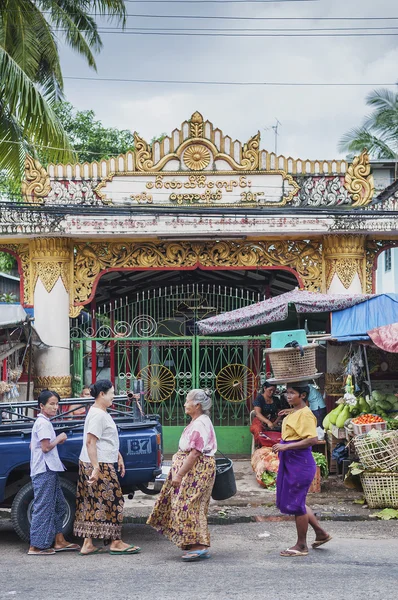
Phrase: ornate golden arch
(95,258)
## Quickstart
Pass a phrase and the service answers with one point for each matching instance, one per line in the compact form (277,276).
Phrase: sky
(313,119)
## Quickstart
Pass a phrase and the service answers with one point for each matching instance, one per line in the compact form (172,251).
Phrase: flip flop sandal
(46,552)
(68,548)
(96,551)
(291,553)
(318,543)
(196,555)
(130,550)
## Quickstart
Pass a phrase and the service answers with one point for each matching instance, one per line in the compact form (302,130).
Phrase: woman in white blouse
(99,497)
(180,512)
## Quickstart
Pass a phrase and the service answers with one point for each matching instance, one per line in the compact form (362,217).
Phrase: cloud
(313,118)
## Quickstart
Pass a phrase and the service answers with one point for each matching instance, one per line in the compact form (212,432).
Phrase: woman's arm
(91,445)
(186,466)
(299,445)
(260,416)
(120,465)
(47,446)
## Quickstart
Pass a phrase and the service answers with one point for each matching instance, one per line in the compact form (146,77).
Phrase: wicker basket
(379,452)
(380,489)
(288,362)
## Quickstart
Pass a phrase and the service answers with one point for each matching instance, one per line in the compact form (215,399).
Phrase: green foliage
(379,132)
(89,138)
(7,262)
(322,463)
(30,71)
(386,514)
(8,298)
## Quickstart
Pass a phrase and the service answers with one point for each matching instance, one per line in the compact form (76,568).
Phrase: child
(49,504)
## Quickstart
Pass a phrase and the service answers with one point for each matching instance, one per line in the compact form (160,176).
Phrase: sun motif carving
(196,157)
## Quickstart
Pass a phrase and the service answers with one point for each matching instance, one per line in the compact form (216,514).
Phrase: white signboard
(178,189)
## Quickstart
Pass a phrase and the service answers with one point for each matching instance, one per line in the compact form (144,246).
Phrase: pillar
(345,264)
(51,264)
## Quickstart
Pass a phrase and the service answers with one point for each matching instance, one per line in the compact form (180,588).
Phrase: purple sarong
(295,474)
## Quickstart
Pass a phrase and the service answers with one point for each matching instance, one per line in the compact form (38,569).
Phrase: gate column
(51,263)
(345,264)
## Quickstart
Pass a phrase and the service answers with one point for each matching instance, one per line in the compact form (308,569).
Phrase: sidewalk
(253,503)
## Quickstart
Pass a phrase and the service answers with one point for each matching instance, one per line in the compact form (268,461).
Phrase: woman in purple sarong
(297,469)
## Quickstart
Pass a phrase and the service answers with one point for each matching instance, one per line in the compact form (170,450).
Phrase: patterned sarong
(295,474)
(181,514)
(49,508)
(99,507)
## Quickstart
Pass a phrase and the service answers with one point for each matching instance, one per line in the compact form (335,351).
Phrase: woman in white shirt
(99,497)
(180,513)
(49,504)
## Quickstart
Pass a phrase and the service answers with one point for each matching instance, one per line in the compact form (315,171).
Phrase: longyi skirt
(99,507)
(181,514)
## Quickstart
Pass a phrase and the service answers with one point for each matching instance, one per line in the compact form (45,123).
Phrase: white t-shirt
(41,461)
(100,423)
(199,435)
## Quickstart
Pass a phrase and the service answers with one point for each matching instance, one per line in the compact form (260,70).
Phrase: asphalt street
(360,562)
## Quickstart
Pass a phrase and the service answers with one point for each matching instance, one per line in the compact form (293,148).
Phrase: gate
(155,339)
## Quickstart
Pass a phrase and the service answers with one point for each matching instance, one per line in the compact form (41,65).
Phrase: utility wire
(237,29)
(189,33)
(238,83)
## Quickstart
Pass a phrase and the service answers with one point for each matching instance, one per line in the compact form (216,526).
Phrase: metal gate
(155,339)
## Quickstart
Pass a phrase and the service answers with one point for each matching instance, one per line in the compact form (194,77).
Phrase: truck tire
(21,509)
(146,490)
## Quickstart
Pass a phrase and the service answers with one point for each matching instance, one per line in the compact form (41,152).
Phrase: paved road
(360,563)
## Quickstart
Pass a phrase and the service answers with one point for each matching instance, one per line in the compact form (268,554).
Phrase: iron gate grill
(155,339)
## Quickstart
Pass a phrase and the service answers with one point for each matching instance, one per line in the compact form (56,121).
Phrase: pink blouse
(199,435)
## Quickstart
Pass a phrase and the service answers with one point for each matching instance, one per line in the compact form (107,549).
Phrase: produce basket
(378,452)
(366,427)
(380,489)
(288,362)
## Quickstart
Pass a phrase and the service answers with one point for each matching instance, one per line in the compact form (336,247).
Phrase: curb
(213,520)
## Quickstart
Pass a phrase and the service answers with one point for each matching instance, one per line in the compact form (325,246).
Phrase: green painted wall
(230,440)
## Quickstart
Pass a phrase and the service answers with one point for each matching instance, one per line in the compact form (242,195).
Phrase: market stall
(362,425)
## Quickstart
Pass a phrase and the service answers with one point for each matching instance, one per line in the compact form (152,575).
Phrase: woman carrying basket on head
(180,513)
(297,470)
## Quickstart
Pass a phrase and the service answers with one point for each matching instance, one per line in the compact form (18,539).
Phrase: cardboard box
(338,432)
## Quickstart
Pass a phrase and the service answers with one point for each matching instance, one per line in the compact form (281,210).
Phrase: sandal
(46,552)
(291,552)
(68,548)
(318,543)
(196,555)
(130,550)
(96,551)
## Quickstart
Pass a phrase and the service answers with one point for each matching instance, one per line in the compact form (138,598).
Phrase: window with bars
(387,260)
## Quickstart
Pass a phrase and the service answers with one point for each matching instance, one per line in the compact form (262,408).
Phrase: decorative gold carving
(62,384)
(345,256)
(51,260)
(251,153)
(36,184)
(196,125)
(92,259)
(196,130)
(22,251)
(196,157)
(358,180)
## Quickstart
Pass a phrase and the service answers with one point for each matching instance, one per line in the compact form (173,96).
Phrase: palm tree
(30,71)
(379,132)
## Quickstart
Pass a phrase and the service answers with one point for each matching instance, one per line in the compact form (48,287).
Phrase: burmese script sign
(215,189)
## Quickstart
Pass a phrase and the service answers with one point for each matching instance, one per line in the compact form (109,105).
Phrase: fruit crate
(366,427)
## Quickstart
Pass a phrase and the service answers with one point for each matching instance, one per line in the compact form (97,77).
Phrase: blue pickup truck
(140,445)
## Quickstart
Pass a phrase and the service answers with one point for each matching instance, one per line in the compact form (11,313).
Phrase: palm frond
(357,139)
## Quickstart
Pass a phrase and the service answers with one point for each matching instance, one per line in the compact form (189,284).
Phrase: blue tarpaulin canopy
(352,324)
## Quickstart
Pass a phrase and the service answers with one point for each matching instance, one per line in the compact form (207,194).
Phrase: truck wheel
(147,490)
(22,506)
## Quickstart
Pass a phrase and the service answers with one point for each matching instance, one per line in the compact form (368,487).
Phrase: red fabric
(385,337)
(263,437)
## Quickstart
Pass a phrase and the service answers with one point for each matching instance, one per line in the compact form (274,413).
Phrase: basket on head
(380,489)
(378,450)
(288,362)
